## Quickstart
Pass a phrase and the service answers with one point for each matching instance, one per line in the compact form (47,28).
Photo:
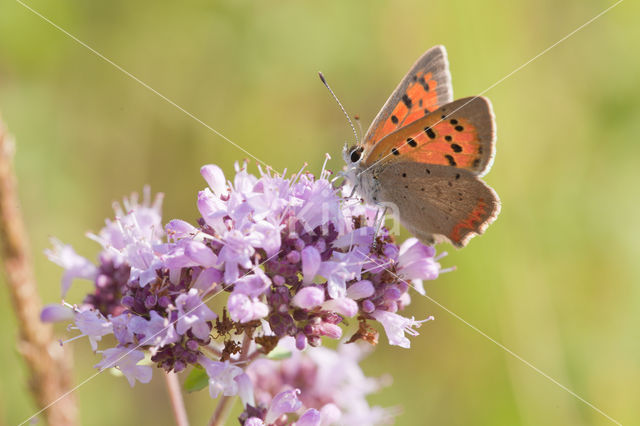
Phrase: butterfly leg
(378,224)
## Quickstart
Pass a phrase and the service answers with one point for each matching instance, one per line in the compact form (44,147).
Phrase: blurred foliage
(555,279)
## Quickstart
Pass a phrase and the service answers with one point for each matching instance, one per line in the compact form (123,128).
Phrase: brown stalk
(226,402)
(49,367)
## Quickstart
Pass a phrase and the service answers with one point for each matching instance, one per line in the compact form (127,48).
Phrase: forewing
(460,134)
(438,203)
(426,87)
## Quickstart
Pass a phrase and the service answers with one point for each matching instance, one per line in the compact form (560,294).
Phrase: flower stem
(246,345)
(49,366)
(177,402)
(222,411)
(226,402)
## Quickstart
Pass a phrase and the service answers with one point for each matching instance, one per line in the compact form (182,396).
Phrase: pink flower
(92,324)
(126,360)
(396,326)
(221,377)
(193,315)
(285,402)
(157,331)
(75,266)
(416,262)
(243,308)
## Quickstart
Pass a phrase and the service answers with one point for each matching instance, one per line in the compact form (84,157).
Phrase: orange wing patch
(419,99)
(470,224)
(433,140)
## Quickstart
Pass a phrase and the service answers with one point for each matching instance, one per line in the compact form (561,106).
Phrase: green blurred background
(555,279)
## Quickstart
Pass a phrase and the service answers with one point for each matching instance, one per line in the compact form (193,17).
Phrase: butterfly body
(424,154)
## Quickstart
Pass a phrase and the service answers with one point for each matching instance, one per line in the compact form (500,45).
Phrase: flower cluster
(334,387)
(295,258)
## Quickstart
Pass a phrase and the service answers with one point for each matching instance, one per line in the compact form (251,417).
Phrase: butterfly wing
(426,87)
(437,203)
(460,134)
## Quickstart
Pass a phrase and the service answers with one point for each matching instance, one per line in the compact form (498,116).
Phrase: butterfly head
(352,155)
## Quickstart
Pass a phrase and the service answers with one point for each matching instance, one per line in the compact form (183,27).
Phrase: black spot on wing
(407,101)
(424,83)
(429,131)
(450,159)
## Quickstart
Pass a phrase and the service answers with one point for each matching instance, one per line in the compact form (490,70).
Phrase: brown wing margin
(426,87)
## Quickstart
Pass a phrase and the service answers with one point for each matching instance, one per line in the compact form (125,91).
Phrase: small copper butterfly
(424,154)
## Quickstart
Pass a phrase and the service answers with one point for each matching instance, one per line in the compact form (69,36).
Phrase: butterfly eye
(356,154)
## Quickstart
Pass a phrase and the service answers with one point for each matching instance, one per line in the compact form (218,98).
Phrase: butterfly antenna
(357,118)
(324,81)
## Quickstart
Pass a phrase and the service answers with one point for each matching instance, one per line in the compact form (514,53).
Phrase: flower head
(290,257)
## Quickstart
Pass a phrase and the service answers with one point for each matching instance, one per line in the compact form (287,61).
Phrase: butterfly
(424,154)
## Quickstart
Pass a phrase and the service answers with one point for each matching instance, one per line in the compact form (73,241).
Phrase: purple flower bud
(278,280)
(314,341)
(310,263)
(179,366)
(150,301)
(301,341)
(215,178)
(311,417)
(392,293)
(299,244)
(368,306)
(360,290)
(330,330)
(163,302)
(293,257)
(284,402)
(344,306)
(192,345)
(128,301)
(55,313)
(308,298)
